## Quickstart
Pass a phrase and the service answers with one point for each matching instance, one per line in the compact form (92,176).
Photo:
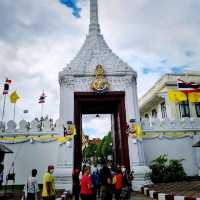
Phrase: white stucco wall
(29,156)
(175,149)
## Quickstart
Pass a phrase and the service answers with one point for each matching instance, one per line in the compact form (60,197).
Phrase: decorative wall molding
(34,127)
(167,125)
(168,135)
(83,83)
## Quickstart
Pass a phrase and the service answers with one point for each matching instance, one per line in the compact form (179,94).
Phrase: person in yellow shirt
(48,192)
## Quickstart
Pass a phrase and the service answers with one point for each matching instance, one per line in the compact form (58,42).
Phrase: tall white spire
(96,51)
(94,27)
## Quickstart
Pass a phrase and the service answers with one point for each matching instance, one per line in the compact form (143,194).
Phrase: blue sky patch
(73,5)
(179,69)
(90,132)
(159,69)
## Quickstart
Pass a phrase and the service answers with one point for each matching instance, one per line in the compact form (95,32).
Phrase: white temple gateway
(98,81)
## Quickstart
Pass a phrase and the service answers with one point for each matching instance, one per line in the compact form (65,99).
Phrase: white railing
(35,126)
(182,124)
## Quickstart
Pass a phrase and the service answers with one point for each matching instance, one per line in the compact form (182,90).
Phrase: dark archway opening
(107,103)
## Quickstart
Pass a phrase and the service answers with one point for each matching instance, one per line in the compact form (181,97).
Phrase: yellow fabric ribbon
(138,131)
(68,137)
(194,97)
(176,96)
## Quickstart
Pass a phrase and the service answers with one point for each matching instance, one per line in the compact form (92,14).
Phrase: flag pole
(14,112)
(42,109)
(41,112)
(4,105)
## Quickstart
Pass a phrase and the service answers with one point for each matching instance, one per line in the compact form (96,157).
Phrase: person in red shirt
(86,185)
(118,184)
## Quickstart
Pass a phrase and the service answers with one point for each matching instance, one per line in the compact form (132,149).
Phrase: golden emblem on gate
(100,84)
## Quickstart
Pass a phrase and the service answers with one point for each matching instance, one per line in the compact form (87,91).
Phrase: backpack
(95,179)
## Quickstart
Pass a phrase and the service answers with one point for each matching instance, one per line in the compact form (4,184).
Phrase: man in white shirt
(31,186)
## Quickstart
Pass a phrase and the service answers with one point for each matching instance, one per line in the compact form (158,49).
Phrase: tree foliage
(101,150)
(165,170)
(106,148)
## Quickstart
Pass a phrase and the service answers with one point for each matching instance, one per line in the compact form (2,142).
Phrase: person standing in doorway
(49,192)
(31,186)
(99,186)
(95,182)
(118,184)
(86,185)
(125,184)
(106,183)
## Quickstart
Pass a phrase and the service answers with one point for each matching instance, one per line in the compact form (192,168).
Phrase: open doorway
(111,103)
(97,139)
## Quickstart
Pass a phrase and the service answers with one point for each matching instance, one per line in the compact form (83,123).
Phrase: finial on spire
(94,27)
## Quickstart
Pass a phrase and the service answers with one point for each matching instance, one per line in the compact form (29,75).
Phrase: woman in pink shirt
(86,185)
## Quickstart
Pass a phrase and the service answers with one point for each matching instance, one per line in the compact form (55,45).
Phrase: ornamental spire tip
(94,27)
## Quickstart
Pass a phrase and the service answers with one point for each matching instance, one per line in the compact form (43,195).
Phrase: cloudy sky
(38,38)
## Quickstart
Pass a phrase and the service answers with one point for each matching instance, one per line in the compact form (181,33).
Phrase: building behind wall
(171,128)
(155,103)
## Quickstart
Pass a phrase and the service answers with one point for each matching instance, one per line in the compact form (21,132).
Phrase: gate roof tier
(95,51)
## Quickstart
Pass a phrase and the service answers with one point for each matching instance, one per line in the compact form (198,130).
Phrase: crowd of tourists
(91,183)
(104,183)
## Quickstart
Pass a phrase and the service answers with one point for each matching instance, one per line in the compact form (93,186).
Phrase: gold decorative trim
(100,84)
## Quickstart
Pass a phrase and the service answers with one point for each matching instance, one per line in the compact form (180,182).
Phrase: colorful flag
(8,81)
(194,97)
(14,97)
(176,96)
(42,98)
(187,87)
(6,86)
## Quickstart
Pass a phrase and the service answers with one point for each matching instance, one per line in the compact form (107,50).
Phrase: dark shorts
(86,197)
(30,196)
(106,193)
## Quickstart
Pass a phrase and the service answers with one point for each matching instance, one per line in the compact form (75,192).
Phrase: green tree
(106,148)
(90,150)
(165,170)
(101,150)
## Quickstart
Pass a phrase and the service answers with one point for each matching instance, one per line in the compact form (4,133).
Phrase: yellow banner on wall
(138,131)
(194,97)
(176,96)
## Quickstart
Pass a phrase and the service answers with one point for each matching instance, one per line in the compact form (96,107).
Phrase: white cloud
(96,127)
(38,38)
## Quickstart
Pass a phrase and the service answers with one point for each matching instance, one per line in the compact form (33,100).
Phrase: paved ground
(138,196)
(184,188)
(18,195)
